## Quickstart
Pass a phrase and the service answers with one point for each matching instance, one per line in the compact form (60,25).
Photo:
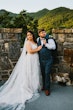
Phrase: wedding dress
(23,83)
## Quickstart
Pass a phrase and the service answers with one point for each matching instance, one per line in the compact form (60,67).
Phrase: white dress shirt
(50,45)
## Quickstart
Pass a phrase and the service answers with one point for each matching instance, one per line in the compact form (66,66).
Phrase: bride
(24,81)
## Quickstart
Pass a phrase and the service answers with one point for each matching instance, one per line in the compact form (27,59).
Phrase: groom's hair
(40,30)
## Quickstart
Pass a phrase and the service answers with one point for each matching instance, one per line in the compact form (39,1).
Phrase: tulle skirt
(22,85)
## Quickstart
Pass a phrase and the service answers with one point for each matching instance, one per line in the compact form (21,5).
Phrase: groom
(45,57)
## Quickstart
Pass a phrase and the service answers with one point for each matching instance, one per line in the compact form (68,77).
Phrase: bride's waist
(32,54)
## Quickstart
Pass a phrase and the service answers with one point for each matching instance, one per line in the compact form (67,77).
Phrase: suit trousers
(46,70)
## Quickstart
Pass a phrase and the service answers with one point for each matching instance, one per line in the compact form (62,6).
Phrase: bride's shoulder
(28,43)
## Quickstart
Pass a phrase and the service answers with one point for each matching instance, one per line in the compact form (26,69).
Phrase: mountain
(2,11)
(48,19)
(39,14)
(57,18)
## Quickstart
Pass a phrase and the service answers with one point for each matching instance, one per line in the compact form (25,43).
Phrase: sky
(16,6)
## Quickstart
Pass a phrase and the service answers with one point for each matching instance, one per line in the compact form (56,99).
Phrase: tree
(5,20)
(25,22)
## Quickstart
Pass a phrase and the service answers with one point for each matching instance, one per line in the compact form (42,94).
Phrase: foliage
(48,19)
(23,20)
(39,14)
(57,18)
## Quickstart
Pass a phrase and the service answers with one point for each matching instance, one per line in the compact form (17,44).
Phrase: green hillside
(39,14)
(10,13)
(57,18)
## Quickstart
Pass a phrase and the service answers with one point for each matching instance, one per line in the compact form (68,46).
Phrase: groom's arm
(37,39)
(51,44)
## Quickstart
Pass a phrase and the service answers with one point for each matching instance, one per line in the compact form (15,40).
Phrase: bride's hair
(32,35)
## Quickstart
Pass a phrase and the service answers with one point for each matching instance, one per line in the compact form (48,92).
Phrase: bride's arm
(30,50)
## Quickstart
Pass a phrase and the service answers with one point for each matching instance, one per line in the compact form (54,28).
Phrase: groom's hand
(44,41)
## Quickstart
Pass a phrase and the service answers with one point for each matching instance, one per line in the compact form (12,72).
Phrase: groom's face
(42,34)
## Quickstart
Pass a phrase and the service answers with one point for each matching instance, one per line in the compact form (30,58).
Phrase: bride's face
(29,36)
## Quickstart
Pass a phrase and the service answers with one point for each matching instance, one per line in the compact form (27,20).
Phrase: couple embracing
(25,81)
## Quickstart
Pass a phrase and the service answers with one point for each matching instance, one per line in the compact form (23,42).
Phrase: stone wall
(9,50)
(64,39)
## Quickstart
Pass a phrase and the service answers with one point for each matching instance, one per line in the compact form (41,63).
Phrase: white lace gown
(23,83)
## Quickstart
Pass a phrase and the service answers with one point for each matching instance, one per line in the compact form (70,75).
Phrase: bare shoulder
(27,42)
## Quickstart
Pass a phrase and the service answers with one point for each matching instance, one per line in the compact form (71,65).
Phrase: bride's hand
(39,48)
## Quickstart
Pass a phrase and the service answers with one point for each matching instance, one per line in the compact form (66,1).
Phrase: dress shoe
(47,92)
